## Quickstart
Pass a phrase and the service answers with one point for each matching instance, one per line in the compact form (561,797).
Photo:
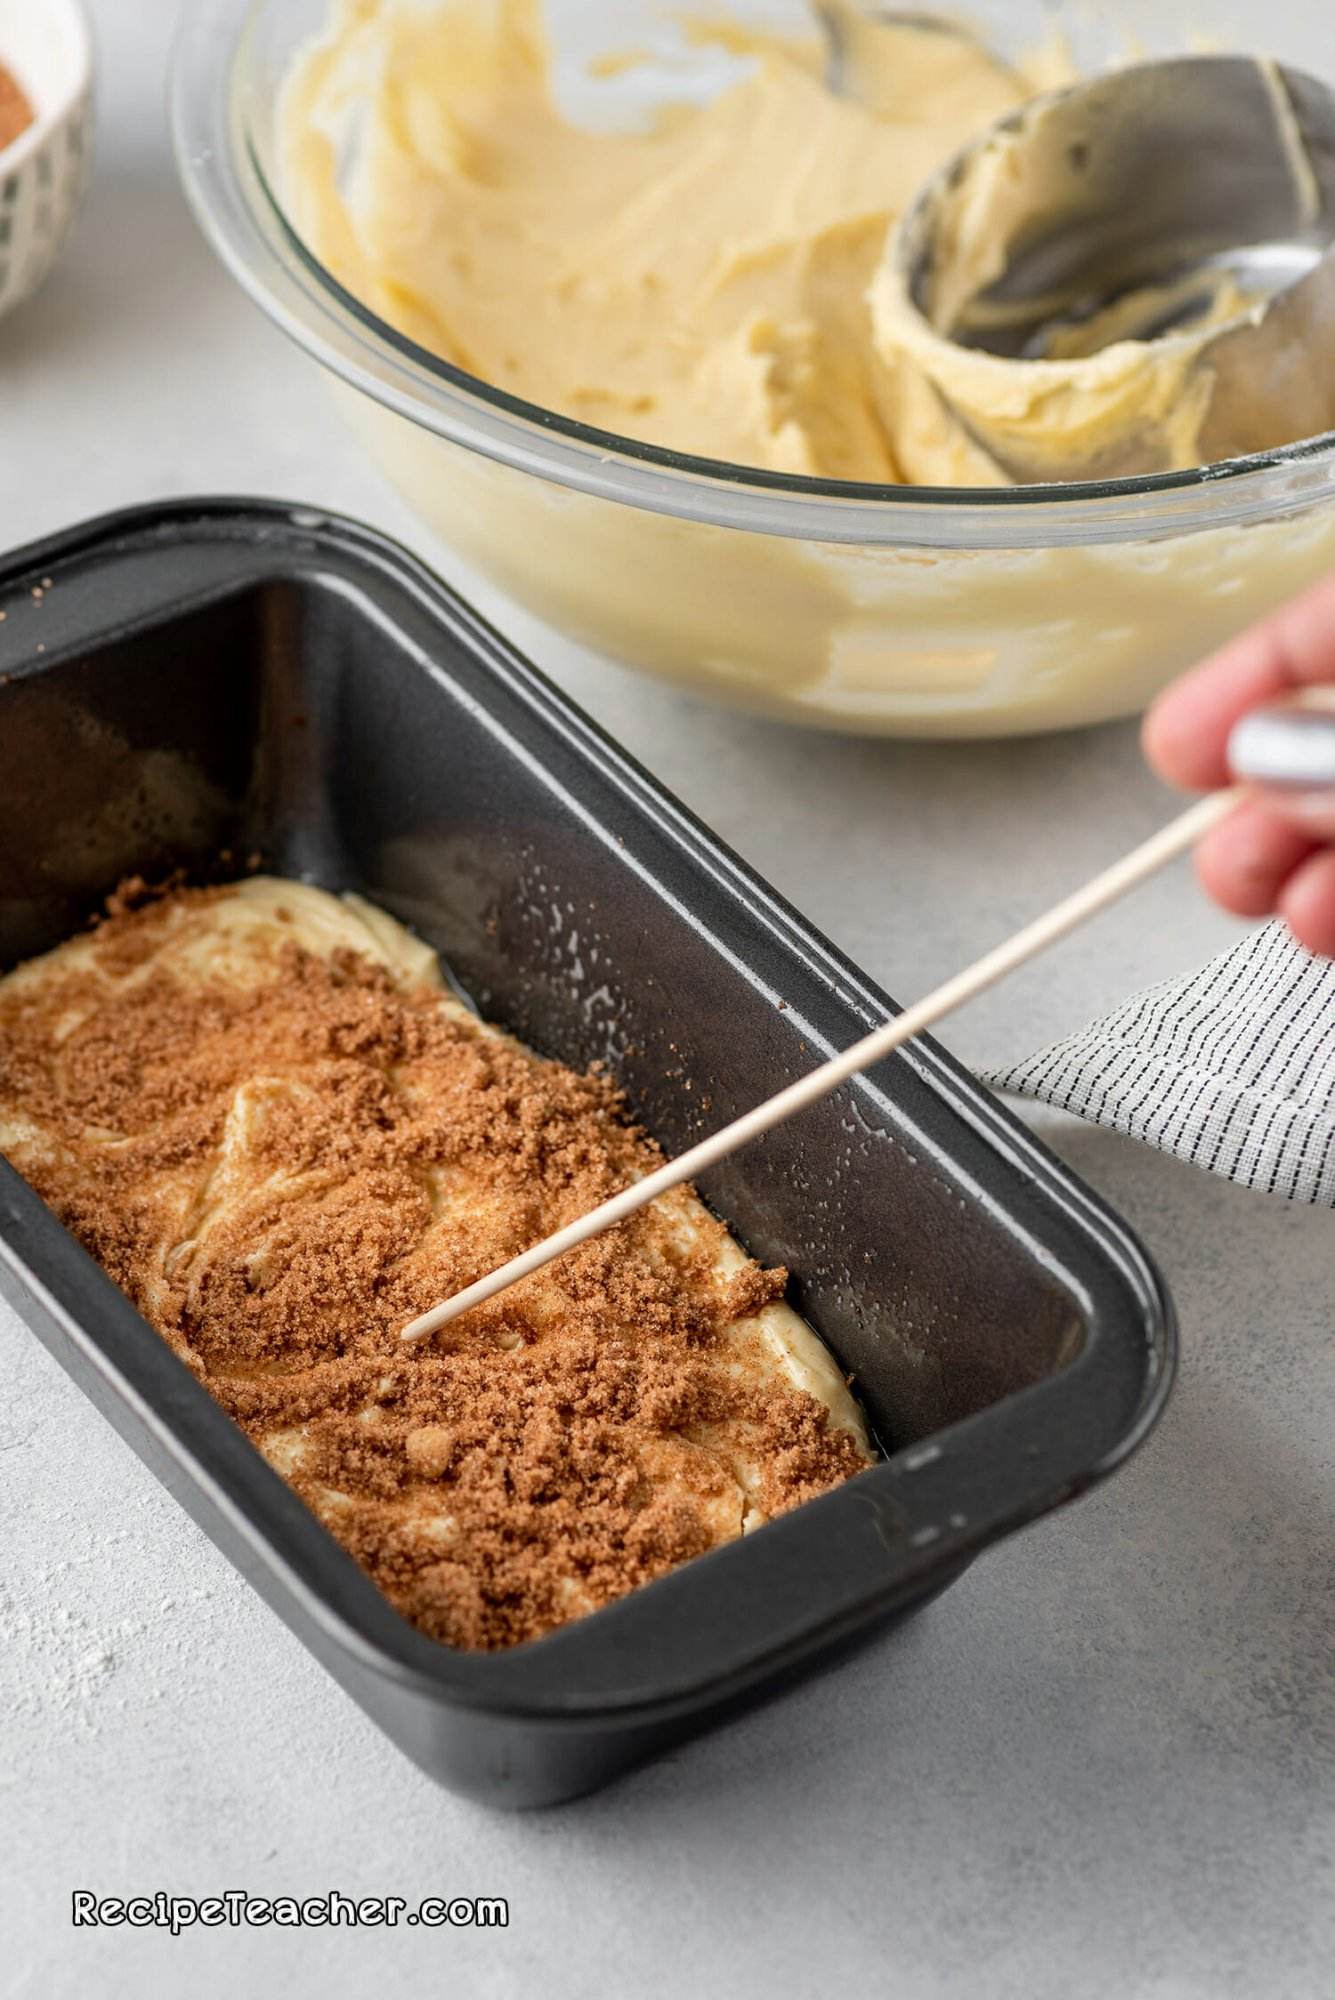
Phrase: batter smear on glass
(262,1112)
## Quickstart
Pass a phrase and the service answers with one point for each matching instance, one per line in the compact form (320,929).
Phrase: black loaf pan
(228,675)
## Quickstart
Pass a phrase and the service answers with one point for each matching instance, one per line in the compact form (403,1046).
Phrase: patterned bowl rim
(76,85)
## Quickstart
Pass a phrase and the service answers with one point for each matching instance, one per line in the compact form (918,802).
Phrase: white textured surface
(1103,1765)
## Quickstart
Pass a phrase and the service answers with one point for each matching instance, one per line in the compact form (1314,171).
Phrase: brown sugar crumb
(286,1155)
(16,113)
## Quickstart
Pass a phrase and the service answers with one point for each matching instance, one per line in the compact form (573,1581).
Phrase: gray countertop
(1101,1765)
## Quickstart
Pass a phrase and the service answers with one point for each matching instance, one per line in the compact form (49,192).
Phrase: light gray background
(1100,1766)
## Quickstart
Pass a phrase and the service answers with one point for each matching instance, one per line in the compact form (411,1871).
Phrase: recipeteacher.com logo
(237,1908)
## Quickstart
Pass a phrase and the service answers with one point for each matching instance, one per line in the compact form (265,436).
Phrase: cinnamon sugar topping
(260,1111)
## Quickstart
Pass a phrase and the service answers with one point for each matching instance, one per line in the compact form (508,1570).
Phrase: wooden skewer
(1125,874)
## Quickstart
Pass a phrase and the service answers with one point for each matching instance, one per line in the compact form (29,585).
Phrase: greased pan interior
(237,676)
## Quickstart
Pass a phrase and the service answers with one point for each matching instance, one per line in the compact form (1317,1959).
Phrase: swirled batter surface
(262,1112)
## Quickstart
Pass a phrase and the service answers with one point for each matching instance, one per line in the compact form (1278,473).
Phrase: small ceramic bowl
(46,47)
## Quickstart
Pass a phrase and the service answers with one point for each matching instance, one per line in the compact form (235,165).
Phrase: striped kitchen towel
(1231,1066)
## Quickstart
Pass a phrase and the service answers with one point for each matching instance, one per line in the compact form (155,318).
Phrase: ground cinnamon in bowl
(16,113)
(261,1111)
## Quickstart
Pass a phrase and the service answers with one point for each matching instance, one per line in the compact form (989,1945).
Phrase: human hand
(1276,852)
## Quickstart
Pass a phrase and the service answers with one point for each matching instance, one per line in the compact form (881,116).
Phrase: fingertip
(1174,744)
(1223,885)
(1185,733)
(1307,903)
(1246,860)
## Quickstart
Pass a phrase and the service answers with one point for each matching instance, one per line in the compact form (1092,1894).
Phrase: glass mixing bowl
(899,610)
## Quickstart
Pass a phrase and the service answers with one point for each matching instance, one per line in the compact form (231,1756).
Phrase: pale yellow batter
(710,282)
(721,281)
(702,284)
